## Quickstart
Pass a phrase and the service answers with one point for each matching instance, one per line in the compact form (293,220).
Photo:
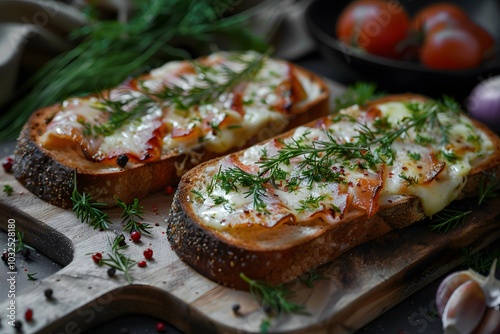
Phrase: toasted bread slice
(303,220)
(178,120)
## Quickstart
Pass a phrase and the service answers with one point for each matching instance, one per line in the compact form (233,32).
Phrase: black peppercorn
(48,293)
(111,272)
(236,308)
(122,160)
(267,309)
(18,325)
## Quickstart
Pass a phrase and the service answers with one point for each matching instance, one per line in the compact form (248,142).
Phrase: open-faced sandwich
(278,209)
(143,135)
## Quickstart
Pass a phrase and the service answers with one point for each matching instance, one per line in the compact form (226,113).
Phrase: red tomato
(450,47)
(429,16)
(376,26)
(486,42)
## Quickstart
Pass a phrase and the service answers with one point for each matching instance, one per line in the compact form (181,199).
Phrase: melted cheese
(251,109)
(418,169)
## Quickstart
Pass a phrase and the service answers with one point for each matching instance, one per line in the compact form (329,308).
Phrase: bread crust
(49,174)
(282,253)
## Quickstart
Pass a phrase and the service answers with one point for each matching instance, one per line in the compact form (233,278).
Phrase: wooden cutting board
(358,286)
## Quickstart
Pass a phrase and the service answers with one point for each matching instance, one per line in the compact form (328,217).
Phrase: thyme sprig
(448,219)
(116,259)
(275,298)
(88,211)
(132,216)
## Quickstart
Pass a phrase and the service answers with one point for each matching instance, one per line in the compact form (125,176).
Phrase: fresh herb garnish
(358,93)
(274,297)
(87,211)
(147,38)
(198,195)
(20,245)
(311,203)
(415,156)
(117,259)
(448,219)
(232,178)
(132,215)
(310,277)
(410,180)
(31,276)
(7,188)
(481,260)
(211,87)
(488,188)
(369,148)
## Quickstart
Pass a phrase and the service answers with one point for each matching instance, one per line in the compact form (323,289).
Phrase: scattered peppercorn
(135,236)
(28,315)
(97,257)
(148,253)
(161,327)
(18,325)
(48,293)
(142,264)
(122,160)
(5,256)
(169,190)
(26,253)
(236,308)
(7,164)
(111,272)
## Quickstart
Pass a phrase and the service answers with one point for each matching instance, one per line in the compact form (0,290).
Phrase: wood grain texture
(358,286)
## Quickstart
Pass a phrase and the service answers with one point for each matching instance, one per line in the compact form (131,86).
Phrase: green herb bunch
(110,51)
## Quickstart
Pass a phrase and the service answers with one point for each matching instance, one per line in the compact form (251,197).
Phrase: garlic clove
(465,308)
(490,323)
(490,285)
(447,286)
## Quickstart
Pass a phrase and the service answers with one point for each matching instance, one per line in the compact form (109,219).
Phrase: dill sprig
(20,245)
(211,87)
(448,219)
(31,276)
(116,259)
(109,51)
(481,260)
(122,111)
(132,215)
(488,188)
(232,178)
(7,188)
(370,147)
(310,277)
(274,297)
(358,93)
(87,211)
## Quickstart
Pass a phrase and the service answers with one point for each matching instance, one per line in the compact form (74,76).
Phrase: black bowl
(353,64)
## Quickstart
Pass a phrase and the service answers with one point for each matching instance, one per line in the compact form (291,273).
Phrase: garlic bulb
(468,302)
